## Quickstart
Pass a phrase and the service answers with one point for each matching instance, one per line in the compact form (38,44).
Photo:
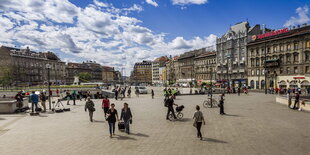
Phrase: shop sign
(273,33)
(299,77)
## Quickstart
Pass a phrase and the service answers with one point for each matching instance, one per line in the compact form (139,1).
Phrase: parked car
(141,89)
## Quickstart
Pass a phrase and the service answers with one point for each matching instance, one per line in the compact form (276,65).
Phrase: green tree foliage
(6,78)
(84,76)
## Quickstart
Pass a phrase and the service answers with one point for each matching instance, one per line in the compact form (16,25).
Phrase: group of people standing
(121,92)
(111,114)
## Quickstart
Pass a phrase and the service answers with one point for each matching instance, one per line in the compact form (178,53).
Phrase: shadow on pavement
(213,140)
(124,138)
(42,115)
(185,120)
(139,134)
(97,121)
(2,119)
(232,115)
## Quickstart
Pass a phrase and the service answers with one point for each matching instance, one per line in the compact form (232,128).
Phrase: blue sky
(121,32)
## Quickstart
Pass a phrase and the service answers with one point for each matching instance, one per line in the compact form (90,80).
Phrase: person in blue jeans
(126,116)
(34,98)
(112,117)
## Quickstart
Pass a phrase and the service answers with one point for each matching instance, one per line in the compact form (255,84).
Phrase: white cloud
(188,2)
(152,2)
(96,32)
(302,18)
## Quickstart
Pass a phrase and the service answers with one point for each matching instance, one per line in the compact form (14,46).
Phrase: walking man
(90,107)
(297,96)
(221,99)
(239,91)
(34,101)
(170,103)
(152,94)
(43,100)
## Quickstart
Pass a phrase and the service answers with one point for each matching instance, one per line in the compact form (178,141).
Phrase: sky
(119,33)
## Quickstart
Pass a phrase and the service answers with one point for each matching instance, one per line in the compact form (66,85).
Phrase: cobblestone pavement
(254,124)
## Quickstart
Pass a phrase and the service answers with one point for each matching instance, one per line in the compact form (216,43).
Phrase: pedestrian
(152,92)
(90,106)
(198,119)
(34,98)
(68,97)
(297,96)
(105,105)
(129,92)
(303,103)
(112,117)
(57,92)
(73,96)
(19,99)
(137,92)
(289,99)
(170,103)
(43,100)
(221,101)
(116,93)
(126,115)
(238,91)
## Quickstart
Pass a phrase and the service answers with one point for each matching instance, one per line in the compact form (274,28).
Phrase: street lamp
(211,86)
(48,67)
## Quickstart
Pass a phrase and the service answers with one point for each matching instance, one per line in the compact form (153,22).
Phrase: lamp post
(211,86)
(48,67)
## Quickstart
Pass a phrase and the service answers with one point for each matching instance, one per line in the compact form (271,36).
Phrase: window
(308,44)
(257,72)
(307,56)
(275,49)
(289,47)
(288,58)
(253,72)
(281,48)
(263,71)
(257,52)
(295,57)
(307,69)
(288,70)
(295,46)
(281,70)
(268,50)
(295,70)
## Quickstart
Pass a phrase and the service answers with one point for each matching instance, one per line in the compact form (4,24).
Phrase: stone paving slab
(254,124)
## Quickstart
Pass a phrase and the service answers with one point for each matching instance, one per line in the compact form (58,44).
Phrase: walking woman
(112,117)
(90,107)
(198,119)
(126,116)
(105,105)
(43,100)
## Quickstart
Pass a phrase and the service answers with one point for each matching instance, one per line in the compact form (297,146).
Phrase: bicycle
(178,113)
(207,103)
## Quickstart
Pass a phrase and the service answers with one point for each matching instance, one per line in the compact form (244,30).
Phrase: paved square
(254,124)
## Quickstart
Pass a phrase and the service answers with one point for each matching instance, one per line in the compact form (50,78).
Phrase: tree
(84,76)
(6,79)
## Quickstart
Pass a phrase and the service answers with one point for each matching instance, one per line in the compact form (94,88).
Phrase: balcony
(241,70)
(235,62)
(235,71)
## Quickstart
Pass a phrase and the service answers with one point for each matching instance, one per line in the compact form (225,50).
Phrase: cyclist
(170,103)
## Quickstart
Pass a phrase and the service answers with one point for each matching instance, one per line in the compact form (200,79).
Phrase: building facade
(108,74)
(157,70)
(30,68)
(74,69)
(96,70)
(187,68)
(287,55)
(205,67)
(231,54)
(172,72)
(142,72)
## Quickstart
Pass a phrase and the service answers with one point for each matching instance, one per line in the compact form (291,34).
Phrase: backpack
(166,102)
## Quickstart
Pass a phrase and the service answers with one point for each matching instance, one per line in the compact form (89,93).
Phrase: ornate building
(205,67)
(30,68)
(231,53)
(287,55)
(142,72)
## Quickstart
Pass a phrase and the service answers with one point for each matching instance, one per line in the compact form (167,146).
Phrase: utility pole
(265,69)
(211,86)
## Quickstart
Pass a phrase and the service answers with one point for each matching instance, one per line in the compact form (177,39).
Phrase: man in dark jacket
(297,96)
(126,116)
(221,99)
(170,103)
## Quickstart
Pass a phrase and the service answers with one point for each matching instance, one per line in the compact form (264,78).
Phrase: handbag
(195,124)
(130,121)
